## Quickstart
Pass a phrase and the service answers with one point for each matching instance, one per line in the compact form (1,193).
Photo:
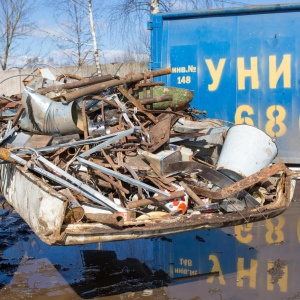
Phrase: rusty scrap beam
(73,85)
(111,181)
(242,184)
(192,194)
(85,125)
(97,88)
(8,102)
(137,103)
(147,101)
(71,76)
(155,200)
(109,219)
(18,115)
(149,84)
(111,103)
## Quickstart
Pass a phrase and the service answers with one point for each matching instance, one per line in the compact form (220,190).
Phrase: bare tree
(132,11)
(130,16)
(71,35)
(14,26)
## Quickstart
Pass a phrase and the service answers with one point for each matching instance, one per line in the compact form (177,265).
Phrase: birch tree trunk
(93,31)
(154,7)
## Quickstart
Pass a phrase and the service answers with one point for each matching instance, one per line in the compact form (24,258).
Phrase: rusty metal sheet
(209,174)
(160,132)
(38,141)
(240,185)
(41,207)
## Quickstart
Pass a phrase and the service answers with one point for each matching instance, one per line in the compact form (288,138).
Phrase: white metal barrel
(246,150)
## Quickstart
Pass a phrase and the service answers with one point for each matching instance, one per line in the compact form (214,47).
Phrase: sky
(111,50)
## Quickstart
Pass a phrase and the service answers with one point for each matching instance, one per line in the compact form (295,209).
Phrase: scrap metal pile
(126,149)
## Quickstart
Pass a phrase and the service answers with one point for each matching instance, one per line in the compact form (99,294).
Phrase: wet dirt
(255,261)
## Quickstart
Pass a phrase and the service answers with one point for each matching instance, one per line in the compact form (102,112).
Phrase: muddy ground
(257,261)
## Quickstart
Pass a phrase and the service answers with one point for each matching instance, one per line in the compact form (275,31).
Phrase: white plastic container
(246,150)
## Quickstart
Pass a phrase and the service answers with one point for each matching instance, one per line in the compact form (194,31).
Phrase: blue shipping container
(242,63)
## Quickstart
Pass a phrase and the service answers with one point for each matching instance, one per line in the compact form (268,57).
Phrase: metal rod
(155,200)
(123,108)
(104,200)
(57,179)
(121,177)
(119,136)
(156,99)
(8,134)
(76,84)
(71,144)
(136,103)
(99,87)
(191,193)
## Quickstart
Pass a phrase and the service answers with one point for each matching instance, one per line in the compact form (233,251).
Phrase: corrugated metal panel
(242,64)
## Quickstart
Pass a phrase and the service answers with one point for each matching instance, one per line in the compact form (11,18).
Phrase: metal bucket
(246,150)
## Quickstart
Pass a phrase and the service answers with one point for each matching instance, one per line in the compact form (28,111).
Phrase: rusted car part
(97,88)
(242,184)
(46,116)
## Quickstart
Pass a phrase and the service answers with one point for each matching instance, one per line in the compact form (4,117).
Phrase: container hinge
(154,65)
(151,25)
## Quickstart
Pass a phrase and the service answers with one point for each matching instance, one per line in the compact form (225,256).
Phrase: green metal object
(181,97)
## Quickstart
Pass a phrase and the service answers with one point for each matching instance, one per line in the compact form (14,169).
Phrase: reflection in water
(104,274)
(258,260)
